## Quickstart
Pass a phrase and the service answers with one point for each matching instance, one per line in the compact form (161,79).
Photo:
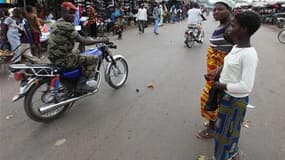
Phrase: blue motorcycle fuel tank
(94,51)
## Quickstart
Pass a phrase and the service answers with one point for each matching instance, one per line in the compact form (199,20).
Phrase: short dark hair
(29,9)
(17,11)
(249,20)
(195,5)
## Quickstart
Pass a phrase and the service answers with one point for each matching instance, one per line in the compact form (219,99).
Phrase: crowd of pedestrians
(16,29)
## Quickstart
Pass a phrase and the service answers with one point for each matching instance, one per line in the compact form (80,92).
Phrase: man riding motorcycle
(195,18)
(60,48)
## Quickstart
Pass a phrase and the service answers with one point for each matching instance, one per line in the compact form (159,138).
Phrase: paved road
(153,124)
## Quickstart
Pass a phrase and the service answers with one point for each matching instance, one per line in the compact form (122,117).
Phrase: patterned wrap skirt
(230,118)
(215,59)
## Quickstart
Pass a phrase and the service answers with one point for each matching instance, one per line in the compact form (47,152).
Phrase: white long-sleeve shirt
(142,14)
(194,16)
(239,71)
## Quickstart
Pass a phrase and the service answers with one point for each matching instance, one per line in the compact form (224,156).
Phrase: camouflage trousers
(88,63)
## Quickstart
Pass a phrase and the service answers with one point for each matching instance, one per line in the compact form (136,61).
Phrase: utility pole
(25,5)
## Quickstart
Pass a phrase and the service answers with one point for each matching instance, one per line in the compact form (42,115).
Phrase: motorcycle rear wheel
(189,41)
(46,97)
(120,69)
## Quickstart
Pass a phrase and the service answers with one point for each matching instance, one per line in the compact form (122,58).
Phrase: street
(151,123)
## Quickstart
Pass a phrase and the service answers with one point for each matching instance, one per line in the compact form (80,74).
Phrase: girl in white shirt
(236,80)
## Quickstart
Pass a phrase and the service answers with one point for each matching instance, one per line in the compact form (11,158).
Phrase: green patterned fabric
(60,49)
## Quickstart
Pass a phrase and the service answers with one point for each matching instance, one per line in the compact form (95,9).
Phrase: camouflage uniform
(60,49)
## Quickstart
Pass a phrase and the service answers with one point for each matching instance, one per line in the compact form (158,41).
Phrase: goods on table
(5,56)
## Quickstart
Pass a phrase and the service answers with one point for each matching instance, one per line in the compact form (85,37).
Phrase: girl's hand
(219,85)
(210,76)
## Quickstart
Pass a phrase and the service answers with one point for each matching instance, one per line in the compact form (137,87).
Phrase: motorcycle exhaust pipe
(49,108)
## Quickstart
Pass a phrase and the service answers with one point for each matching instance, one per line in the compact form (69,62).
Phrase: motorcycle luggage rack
(40,70)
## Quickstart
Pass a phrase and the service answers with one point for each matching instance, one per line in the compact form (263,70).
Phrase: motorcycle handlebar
(111,45)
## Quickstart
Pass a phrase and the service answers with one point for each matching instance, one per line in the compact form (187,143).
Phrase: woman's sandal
(206,134)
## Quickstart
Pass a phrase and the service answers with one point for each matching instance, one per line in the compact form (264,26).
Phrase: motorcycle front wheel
(281,36)
(39,96)
(117,73)
(189,41)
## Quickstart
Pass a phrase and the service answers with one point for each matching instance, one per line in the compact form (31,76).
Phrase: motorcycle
(49,91)
(191,36)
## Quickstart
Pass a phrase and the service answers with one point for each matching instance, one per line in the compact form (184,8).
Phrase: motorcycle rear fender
(24,89)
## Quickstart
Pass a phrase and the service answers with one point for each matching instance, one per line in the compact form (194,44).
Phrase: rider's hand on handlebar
(104,39)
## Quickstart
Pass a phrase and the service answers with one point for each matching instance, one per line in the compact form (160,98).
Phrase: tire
(202,37)
(189,41)
(281,36)
(112,70)
(34,113)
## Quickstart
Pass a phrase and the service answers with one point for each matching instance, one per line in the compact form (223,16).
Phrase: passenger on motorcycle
(61,43)
(195,17)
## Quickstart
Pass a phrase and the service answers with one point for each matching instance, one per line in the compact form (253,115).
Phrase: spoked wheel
(202,37)
(281,36)
(117,74)
(189,41)
(40,96)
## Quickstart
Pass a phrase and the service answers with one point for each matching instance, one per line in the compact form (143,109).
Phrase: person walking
(4,44)
(156,15)
(142,18)
(236,82)
(162,13)
(173,14)
(18,36)
(35,29)
(218,49)
(179,13)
